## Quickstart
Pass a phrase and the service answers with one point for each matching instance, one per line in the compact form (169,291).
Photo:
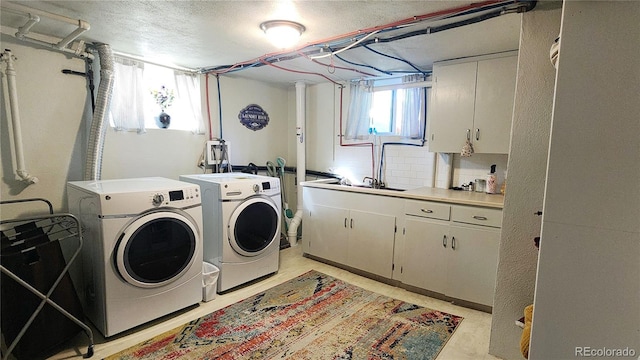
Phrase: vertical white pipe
(301,108)
(21,172)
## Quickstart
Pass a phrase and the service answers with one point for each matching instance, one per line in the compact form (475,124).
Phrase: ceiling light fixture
(282,33)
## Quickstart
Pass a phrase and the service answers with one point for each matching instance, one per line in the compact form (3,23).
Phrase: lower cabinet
(456,259)
(324,233)
(446,248)
(425,254)
(370,242)
(360,239)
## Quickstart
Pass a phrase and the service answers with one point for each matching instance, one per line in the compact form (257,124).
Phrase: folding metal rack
(56,227)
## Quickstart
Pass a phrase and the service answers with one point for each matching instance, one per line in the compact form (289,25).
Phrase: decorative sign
(253,117)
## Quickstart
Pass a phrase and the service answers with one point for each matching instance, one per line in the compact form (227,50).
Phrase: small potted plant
(163,97)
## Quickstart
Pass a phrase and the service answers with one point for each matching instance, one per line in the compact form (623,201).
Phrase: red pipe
(406,21)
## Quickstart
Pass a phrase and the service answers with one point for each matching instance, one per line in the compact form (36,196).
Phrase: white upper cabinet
(473,100)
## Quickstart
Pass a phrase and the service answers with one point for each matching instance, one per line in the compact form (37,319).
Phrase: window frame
(393,85)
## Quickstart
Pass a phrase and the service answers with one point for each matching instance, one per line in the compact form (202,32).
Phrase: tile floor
(470,341)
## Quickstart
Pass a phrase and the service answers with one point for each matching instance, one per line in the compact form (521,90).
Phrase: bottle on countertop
(492,181)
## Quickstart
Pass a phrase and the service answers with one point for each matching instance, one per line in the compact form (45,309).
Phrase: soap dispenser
(492,181)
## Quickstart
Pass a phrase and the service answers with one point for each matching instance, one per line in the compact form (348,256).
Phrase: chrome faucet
(374,183)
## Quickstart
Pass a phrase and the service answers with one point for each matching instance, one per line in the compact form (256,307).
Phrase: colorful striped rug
(313,316)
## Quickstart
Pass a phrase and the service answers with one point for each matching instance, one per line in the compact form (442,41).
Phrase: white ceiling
(208,34)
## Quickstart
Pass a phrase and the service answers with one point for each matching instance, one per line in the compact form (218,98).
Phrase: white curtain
(127,100)
(413,113)
(189,102)
(358,117)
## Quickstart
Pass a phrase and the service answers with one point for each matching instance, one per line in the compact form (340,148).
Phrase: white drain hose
(21,173)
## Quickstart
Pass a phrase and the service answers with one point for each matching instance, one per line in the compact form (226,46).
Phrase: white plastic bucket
(209,281)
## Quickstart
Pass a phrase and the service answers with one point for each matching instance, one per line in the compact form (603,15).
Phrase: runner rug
(313,316)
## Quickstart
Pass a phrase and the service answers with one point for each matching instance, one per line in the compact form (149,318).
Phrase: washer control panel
(247,187)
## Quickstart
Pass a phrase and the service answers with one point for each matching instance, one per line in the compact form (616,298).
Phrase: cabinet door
(453,99)
(495,92)
(371,239)
(425,254)
(325,232)
(472,263)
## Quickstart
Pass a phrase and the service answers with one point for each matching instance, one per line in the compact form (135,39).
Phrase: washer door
(156,249)
(254,225)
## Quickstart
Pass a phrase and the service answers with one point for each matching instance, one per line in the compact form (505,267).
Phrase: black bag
(39,267)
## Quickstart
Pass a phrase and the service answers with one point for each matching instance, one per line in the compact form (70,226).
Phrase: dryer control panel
(177,198)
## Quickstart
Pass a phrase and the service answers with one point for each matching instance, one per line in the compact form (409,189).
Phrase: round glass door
(254,225)
(156,249)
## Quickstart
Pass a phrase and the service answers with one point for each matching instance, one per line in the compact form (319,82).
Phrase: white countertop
(422,193)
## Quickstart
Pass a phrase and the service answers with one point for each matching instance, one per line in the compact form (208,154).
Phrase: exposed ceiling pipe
(93,164)
(21,172)
(301,109)
(65,44)
(24,29)
(485,10)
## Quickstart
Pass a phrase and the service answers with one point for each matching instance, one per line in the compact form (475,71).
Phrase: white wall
(51,107)
(170,153)
(158,152)
(248,145)
(530,130)
(588,282)
(56,113)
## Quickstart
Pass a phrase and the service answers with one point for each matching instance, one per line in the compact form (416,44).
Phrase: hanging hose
(93,164)
(288,213)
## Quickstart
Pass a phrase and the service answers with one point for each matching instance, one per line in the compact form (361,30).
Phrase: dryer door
(157,248)
(254,225)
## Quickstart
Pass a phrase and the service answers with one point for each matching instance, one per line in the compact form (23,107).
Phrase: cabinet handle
(477,217)
(345,222)
(351,224)
(453,243)
(469,134)
(477,134)
(428,211)
(444,241)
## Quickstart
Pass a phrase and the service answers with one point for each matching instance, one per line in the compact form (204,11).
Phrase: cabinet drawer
(427,209)
(477,216)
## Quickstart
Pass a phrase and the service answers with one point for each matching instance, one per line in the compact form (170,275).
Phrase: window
(383,111)
(393,107)
(133,106)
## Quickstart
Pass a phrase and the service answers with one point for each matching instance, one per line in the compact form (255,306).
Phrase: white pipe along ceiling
(65,44)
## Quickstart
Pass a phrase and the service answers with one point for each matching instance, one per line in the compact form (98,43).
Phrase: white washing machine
(142,255)
(241,215)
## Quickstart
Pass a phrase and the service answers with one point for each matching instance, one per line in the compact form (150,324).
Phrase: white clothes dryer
(142,255)
(241,218)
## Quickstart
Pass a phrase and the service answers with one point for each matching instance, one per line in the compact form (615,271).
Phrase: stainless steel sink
(370,187)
